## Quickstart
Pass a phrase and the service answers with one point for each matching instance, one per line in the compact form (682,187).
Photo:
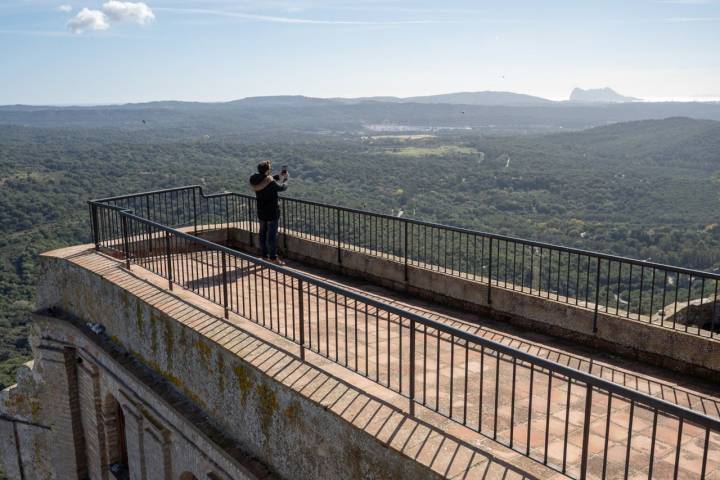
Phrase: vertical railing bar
(586,433)
(597,296)
(301,310)
(677,448)
(412,366)
(126,245)
(567,424)
(338,233)
(405,249)
(225,284)
(705,453)
(489,298)
(530,406)
(547,417)
(512,403)
(169,261)
(629,439)
(94,226)
(652,445)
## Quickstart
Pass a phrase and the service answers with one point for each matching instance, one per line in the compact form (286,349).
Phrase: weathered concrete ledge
(667,348)
(302,419)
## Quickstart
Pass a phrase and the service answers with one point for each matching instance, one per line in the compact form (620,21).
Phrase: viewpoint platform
(385,348)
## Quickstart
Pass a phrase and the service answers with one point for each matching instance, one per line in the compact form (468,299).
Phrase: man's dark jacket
(268,208)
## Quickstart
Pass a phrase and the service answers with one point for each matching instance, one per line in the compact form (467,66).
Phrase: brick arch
(114,422)
(187,476)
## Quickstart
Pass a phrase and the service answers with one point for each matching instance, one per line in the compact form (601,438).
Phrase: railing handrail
(574,374)
(509,238)
(142,194)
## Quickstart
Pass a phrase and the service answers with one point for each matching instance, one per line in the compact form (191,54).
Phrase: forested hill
(671,143)
(671,140)
(645,189)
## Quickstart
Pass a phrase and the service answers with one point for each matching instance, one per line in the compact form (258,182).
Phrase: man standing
(266,188)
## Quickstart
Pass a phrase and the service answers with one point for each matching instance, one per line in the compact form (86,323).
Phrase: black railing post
(225,285)
(195,222)
(147,225)
(337,236)
(227,214)
(126,245)
(489,298)
(94,226)
(249,220)
(284,224)
(405,248)
(597,296)
(412,366)
(169,260)
(586,433)
(301,309)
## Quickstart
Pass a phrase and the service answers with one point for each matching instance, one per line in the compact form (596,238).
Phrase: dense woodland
(646,189)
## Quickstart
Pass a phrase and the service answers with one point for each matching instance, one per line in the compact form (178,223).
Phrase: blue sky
(53,52)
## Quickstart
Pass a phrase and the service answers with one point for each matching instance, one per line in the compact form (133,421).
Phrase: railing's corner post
(597,296)
(227,214)
(586,433)
(249,220)
(126,240)
(301,310)
(169,260)
(225,285)
(284,227)
(195,221)
(489,297)
(147,208)
(412,366)
(94,226)
(406,254)
(338,233)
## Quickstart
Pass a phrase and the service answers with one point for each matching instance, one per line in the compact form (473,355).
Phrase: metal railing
(667,296)
(569,420)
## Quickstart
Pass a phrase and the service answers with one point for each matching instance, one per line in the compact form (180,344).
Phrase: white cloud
(112,12)
(131,12)
(64,8)
(88,19)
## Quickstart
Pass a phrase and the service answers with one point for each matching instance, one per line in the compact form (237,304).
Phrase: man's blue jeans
(268,238)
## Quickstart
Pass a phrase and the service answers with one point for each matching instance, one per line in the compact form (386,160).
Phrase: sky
(96,52)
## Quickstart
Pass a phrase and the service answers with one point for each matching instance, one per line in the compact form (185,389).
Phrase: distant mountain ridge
(296,113)
(484,98)
(599,95)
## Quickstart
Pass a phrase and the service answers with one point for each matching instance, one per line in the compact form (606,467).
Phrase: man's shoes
(277,261)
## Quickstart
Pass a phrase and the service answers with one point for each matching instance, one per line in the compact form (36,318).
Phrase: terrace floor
(466,390)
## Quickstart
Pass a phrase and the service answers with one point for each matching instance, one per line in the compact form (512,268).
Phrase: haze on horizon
(110,51)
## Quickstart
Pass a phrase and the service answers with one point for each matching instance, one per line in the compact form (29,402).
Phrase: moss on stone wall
(244,380)
(292,413)
(267,406)
(153,332)
(205,352)
(221,372)
(169,342)
(139,320)
(170,378)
